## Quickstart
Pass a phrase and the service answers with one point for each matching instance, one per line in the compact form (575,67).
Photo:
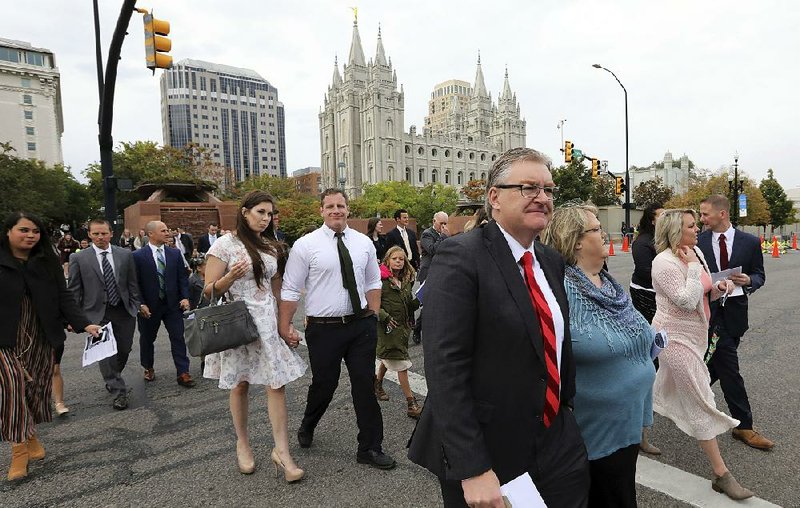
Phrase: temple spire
(506,88)
(479,90)
(337,78)
(356,52)
(380,54)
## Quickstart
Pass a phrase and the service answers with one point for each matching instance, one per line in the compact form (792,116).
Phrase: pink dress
(682,389)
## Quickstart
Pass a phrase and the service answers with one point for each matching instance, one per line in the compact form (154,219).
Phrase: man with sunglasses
(499,366)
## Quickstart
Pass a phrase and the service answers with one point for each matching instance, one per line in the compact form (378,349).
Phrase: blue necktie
(110,281)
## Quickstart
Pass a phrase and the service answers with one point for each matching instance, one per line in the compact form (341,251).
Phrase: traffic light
(595,168)
(620,186)
(567,151)
(156,44)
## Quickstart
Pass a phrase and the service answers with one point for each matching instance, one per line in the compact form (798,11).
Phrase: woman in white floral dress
(248,265)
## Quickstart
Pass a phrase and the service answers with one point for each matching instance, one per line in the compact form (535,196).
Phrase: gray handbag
(218,327)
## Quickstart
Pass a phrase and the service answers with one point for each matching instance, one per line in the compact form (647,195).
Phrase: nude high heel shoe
(291,476)
(247,465)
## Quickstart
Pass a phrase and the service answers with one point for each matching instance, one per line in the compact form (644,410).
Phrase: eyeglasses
(531,191)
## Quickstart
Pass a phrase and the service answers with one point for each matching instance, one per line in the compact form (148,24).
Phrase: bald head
(157,232)
(440,221)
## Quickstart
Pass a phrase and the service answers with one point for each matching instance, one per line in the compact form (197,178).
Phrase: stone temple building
(362,137)
(676,177)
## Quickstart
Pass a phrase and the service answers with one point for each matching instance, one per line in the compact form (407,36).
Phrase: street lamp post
(735,187)
(627,170)
(341,176)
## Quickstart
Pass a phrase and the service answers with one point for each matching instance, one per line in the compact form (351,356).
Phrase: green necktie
(348,275)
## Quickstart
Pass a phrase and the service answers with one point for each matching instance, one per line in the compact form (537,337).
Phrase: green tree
(430,199)
(384,198)
(650,192)
(757,210)
(51,192)
(781,209)
(278,187)
(603,192)
(299,214)
(574,182)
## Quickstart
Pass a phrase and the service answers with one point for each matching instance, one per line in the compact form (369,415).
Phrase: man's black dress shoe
(305,437)
(376,459)
(121,401)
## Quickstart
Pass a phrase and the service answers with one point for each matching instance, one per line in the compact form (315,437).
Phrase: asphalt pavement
(175,446)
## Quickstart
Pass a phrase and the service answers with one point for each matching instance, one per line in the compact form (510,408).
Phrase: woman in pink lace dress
(682,390)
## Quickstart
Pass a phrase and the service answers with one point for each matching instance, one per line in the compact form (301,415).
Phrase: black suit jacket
(747,254)
(484,360)
(393,237)
(53,304)
(188,244)
(429,242)
(203,244)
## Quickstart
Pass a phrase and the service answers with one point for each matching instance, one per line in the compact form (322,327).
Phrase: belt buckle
(344,320)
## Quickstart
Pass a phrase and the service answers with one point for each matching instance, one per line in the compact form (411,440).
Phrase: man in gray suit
(429,241)
(103,280)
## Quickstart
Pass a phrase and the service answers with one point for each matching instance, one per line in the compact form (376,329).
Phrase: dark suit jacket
(429,242)
(747,254)
(53,304)
(203,244)
(177,279)
(188,244)
(393,237)
(87,284)
(484,362)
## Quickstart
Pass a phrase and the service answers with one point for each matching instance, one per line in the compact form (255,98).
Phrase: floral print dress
(268,361)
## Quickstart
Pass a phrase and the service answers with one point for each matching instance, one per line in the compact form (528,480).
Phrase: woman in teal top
(611,344)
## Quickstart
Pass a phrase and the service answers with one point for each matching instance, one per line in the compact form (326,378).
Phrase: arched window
(408,174)
(434,152)
(390,173)
(369,127)
(459,154)
(326,142)
(460,180)
(408,149)
(447,177)
(483,157)
(420,150)
(483,176)
(472,156)
(389,128)
(343,132)
(434,176)
(421,175)
(447,153)
(471,176)
(390,151)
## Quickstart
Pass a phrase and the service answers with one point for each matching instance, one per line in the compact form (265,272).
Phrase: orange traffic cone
(775,252)
(761,238)
(625,244)
(794,241)
(611,247)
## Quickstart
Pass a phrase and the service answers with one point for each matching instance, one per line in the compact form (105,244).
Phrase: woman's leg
(711,449)
(58,385)
(239,409)
(279,420)
(381,371)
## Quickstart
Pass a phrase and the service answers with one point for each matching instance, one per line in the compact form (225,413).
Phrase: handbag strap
(213,295)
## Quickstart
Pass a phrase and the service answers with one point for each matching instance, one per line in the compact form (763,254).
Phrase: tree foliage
(603,192)
(574,182)
(278,187)
(474,190)
(781,209)
(385,198)
(50,192)
(650,192)
(299,214)
(757,209)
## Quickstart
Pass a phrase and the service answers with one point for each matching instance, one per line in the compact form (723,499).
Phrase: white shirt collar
(329,233)
(154,248)
(728,234)
(98,251)
(517,250)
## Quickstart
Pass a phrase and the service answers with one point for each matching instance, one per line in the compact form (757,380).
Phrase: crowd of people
(543,365)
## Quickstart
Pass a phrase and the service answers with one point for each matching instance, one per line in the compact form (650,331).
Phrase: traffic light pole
(107,109)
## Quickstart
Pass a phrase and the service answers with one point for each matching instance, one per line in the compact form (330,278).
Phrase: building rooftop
(221,69)
(12,43)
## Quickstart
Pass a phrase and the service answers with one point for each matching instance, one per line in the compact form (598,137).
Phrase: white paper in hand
(100,348)
(522,493)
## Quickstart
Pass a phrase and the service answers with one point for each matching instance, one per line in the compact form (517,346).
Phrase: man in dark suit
(726,247)
(103,280)
(498,357)
(164,286)
(429,241)
(184,243)
(404,237)
(206,241)
(276,223)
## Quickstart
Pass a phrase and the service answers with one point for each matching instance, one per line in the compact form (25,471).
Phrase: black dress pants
(614,479)
(354,343)
(724,366)
(558,467)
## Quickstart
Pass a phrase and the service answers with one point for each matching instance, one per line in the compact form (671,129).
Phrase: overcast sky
(704,78)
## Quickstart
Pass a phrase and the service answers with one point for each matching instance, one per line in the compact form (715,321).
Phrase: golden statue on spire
(355,15)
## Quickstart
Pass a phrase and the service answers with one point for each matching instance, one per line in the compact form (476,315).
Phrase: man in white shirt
(103,280)
(206,241)
(335,266)
(499,367)
(404,237)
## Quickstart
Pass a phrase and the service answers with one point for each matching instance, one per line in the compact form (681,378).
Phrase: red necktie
(723,253)
(548,336)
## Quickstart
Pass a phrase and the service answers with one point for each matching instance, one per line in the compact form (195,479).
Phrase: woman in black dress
(375,233)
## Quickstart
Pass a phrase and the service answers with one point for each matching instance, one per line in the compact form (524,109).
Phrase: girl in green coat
(397,307)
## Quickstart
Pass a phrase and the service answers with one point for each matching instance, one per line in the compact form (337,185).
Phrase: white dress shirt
(211,239)
(407,245)
(517,251)
(154,250)
(729,234)
(314,266)
(99,255)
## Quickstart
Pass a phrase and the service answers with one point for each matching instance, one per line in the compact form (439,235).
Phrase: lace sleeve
(683,292)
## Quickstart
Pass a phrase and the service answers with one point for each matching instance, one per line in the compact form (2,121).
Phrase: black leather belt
(340,320)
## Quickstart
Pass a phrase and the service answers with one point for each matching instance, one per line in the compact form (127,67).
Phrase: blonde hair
(566,228)
(407,273)
(669,228)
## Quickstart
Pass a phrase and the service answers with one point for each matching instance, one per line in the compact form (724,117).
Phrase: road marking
(668,480)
